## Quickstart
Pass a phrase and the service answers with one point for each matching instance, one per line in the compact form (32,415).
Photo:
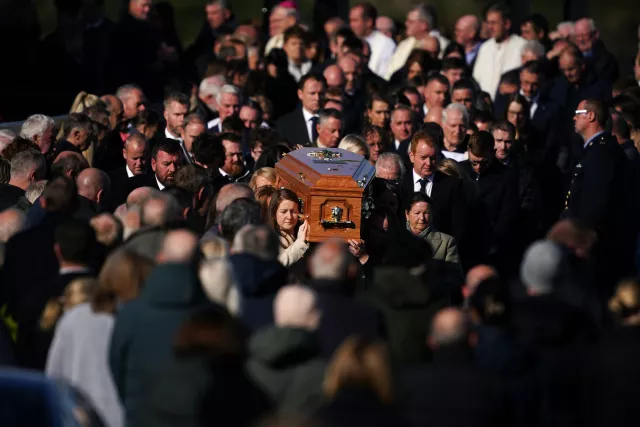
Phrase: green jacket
(407,305)
(285,364)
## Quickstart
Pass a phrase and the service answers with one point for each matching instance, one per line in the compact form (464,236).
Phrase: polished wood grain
(320,192)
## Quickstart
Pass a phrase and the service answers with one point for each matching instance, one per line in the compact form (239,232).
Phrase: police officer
(601,193)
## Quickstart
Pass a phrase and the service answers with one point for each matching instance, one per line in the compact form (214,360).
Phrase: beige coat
(445,264)
(292,251)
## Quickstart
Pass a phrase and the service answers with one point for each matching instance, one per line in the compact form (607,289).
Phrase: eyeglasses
(578,112)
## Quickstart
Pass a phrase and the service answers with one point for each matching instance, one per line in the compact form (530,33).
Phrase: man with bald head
(450,375)
(333,275)
(93,189)
(334,76)
(434,115)
(136,157)
(577,82)
(587,38)
(145,329)
(468,35)
(475,276)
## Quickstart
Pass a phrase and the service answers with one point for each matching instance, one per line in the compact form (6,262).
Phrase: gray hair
(591,23)
(26,162)
(388,158)
(228,89)
(458,108)
(424,14)
(219,284)
(35,125)
(159,209)
(288,11)
(6,138)
(124,91)
(568,25)
(330,261)
(212,85)
(325,115)
(224,4)
(257,240)
(296,306)
(35,190)
(533,46)
(543,267)
(11,223)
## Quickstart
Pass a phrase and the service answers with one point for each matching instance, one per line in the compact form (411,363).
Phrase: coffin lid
(306,165)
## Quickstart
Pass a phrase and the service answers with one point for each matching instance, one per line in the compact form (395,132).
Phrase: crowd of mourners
(152,259)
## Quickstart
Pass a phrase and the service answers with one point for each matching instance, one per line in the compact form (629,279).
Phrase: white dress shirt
(307,119)
(458,157)
(495,59)
(276,41)
(160,186)
(416,183)
(298,72)
(215,123)
(382,48)
(129,173)
(533,103)
(185,153)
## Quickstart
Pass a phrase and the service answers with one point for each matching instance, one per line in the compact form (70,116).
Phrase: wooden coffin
(330,184)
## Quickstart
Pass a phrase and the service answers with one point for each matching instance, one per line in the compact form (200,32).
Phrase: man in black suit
(219,21)
(166,159)
(299,126)
(587,38)
(329,268)
(402,129)
(27,167)
(449,205)
(496,204)
(578,82)
(543,111)
(452,390)
(176,107)
(74,246)
(234,168)
(93,193)
(329,129)
(78,134)
(228,100)
(136,155)
(59,200)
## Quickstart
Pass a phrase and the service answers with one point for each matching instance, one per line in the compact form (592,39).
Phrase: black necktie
(423,185)
(314,130)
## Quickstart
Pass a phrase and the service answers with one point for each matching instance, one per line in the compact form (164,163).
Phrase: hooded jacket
(407,305)
(145,327)
(285,364)
(258,281)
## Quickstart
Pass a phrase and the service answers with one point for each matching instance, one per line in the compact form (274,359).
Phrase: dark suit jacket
(33,343)
(497,200)
(348,317)
(293,128)
(23,250)
(9,196)
(451,391)
(603,62)
(87,209)
(119,187)
(449,203)
(145,180)
(64,145)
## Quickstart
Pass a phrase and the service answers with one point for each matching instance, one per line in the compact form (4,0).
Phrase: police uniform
(596,183)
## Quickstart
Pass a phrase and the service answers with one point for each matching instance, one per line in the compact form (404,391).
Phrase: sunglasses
(578,112)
